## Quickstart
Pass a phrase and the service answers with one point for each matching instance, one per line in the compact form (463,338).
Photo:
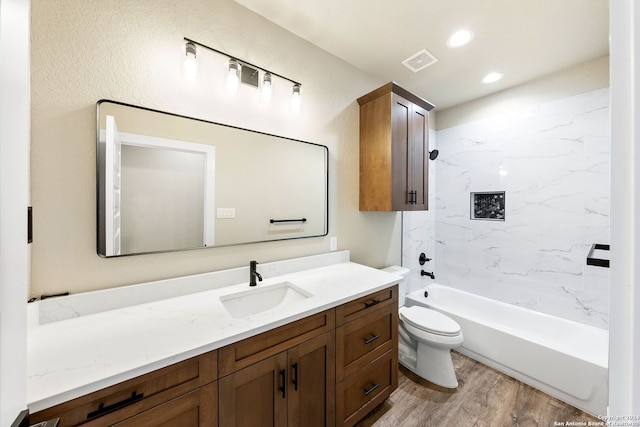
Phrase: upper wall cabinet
(394,150)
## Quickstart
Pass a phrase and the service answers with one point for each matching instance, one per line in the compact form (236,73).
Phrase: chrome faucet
(253,273)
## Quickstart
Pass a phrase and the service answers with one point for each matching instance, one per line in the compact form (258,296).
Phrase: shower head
(433,154)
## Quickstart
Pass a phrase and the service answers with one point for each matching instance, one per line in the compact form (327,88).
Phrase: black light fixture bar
(241,61)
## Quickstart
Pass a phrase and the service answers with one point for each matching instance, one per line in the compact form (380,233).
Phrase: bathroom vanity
(326,359)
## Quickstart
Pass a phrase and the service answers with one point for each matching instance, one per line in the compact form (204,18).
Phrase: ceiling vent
(420,60)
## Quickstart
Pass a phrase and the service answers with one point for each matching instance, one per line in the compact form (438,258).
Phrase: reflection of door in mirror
(159,193)
(112,180)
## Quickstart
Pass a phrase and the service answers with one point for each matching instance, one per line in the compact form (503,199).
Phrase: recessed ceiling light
(460,38)
(492,77)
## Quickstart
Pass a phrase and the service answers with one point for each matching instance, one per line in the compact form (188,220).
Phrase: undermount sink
(257,300)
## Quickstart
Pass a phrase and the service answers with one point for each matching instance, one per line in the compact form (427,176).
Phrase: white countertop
(73,357)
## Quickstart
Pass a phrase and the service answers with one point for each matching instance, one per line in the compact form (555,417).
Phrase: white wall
(582,78)
(552,162)
(548,148)
(86,50)
(624,359)
(14,179)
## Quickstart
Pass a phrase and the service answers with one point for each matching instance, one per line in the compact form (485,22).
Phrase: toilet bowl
(426,338)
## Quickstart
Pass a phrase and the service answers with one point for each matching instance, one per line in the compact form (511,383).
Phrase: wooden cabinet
(366,354)
(293,387)
(251,350)
(327,369)
(183,391)
(196,408)
(311,394)
(394,150)
(255,395)
(360,393)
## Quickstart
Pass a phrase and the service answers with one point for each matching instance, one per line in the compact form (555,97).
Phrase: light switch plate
(333,243)
(226,213)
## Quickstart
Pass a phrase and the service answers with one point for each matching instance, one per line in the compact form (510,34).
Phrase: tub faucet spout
(253,273)
(427,273)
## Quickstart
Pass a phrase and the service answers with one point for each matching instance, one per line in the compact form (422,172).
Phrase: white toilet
(426,338)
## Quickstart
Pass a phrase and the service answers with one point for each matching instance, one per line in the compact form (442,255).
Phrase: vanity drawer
(251,350)
(357,395)
(118,402)
(361,341)
(197,408)
(356,308)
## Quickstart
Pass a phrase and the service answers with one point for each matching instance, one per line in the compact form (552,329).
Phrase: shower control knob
(423,258)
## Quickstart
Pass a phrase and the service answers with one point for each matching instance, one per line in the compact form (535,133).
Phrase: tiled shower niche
(489,206)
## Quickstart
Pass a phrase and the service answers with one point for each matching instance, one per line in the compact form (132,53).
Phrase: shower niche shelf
(488,205)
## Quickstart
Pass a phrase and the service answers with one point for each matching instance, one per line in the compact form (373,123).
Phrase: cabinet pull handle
(367,392)
(372,339)
(413,197)
(295,376)
(283,388)
(371,303)
(102,410)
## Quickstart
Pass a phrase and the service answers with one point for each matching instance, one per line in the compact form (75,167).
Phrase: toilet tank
(402,286)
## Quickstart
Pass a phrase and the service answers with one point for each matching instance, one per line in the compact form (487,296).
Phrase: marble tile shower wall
(553,164)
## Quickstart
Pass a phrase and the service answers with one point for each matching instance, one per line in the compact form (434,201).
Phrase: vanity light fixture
(240,71)
(267,90)
(190,64)
(233,75)
(460,38)
(492,77)
(295,97)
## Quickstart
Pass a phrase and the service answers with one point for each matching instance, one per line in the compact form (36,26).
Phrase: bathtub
(565,359)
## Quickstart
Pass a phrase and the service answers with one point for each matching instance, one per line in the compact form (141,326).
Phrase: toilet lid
(430,321)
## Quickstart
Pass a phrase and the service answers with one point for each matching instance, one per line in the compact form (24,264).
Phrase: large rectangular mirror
(168,182)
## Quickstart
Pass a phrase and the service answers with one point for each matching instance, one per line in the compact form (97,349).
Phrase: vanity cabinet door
(311,397)
(410,150)
(293,388)
(255,396)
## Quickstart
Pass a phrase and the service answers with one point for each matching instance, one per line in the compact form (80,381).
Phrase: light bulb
(295,97)
(233,76)
(189,63)
(492,77)
(267,90)
(460,38)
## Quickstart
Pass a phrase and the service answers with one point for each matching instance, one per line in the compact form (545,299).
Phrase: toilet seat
(430,321)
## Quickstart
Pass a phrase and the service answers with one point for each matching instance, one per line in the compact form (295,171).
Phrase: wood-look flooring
(484,398)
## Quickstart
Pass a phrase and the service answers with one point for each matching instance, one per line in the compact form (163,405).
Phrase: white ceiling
(524,39)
